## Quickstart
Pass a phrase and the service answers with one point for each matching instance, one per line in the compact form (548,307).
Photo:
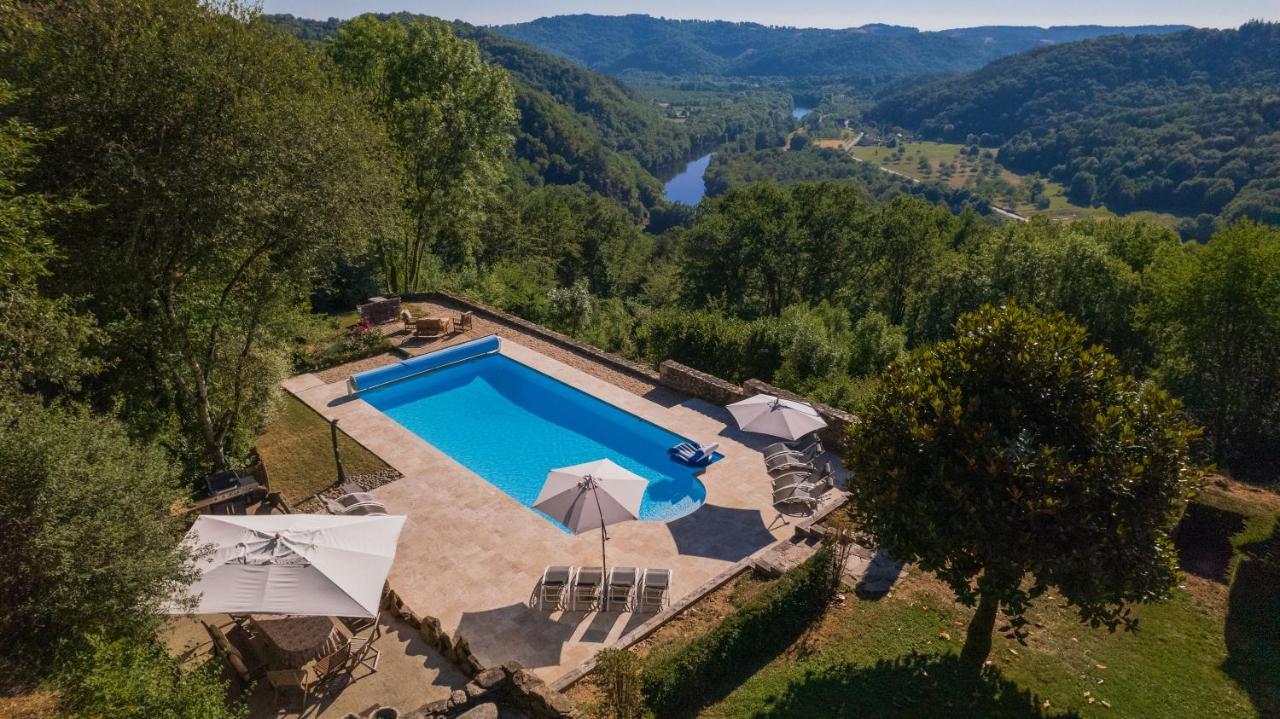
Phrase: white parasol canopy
(592,495)
(305,564)
(766,414)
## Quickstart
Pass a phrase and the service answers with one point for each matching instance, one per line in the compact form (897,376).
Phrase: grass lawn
(296,450)
(964,173)
(1212,650)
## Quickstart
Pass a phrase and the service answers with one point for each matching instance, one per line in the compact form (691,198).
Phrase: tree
(90,542)
(1014,458)
(1215,315)
(451,115)
(224,170)
(40,338)
(747,250)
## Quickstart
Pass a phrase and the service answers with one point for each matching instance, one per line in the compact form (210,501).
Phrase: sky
(924,14)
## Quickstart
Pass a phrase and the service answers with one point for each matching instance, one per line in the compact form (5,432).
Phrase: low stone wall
(510,684)
(838,420)
(493,314)
(697,383)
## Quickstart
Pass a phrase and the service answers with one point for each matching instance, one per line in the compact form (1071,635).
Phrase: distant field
(951,163)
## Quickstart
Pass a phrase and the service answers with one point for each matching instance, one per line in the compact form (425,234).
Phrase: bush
(703,339)
(617,675)
(135,679)
(682,680)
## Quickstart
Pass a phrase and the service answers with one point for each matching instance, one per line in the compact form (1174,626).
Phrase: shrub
(682,680)
(135,679)
(617,674)
(703,339)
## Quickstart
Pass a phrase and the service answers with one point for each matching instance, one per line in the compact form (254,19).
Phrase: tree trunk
(977,643)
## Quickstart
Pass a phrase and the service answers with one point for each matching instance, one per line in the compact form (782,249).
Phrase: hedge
(683,680)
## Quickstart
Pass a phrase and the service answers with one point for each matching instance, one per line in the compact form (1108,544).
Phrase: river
(689,186)
(800,112)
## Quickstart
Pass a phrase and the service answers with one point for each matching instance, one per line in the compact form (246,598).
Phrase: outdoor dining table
(298,639)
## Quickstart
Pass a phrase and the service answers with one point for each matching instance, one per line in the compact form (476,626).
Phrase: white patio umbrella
(766,414)
(595,494)
(306,564)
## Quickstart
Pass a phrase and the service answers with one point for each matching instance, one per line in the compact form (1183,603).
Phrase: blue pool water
(511,424)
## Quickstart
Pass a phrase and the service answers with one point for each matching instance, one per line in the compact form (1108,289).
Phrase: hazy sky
(925,14)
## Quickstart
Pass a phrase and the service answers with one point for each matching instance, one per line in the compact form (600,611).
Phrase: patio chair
(781,463)
(288,680)
(408,320)
(553,588)
(655,589)
(364,654)
(244,669)
(778,449)
(464,321)
(587,586)
(622,588)
(360,625)
(331,666)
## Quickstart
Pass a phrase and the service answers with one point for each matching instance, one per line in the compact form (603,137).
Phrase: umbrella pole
(604,536)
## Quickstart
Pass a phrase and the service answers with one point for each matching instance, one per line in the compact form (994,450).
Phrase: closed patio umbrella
(303,564)
(595,494)
(766,414)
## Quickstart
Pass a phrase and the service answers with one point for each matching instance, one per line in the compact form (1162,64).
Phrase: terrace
(470,555)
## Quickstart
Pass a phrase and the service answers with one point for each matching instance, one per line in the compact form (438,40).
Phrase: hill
(577,125)
(867,54)
(1187,123)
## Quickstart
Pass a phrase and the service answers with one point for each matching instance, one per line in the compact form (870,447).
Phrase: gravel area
(481,327)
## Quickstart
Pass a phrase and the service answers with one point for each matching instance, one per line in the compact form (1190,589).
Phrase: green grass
(322,342)
(1209,651)
(298,454)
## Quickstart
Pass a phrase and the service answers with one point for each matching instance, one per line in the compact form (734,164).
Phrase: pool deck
(471,556)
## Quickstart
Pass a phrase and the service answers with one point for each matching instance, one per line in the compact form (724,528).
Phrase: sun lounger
(809,478)
(553,589)
(779,449)
(795,495)
(781,463)
(655,590)
(622,588)
(354,504)
(588,584)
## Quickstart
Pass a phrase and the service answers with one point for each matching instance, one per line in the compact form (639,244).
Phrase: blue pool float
(693,454)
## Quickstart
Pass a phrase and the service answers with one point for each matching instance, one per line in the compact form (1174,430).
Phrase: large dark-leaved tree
(223,169)
(1014,458)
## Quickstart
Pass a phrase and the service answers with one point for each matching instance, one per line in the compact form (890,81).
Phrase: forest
(577,126)
(1185,123)
(867,56)
(167,234)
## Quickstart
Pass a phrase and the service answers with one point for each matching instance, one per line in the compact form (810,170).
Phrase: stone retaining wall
(838,420)
(510,684)
(697,383)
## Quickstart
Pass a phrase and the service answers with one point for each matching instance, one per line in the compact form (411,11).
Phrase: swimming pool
(511,424)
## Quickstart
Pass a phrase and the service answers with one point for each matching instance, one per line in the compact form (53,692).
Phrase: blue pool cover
(423,363)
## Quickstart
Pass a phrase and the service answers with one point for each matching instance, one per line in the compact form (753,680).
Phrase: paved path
(471,556)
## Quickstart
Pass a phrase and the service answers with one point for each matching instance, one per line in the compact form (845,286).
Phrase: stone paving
(471,556)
